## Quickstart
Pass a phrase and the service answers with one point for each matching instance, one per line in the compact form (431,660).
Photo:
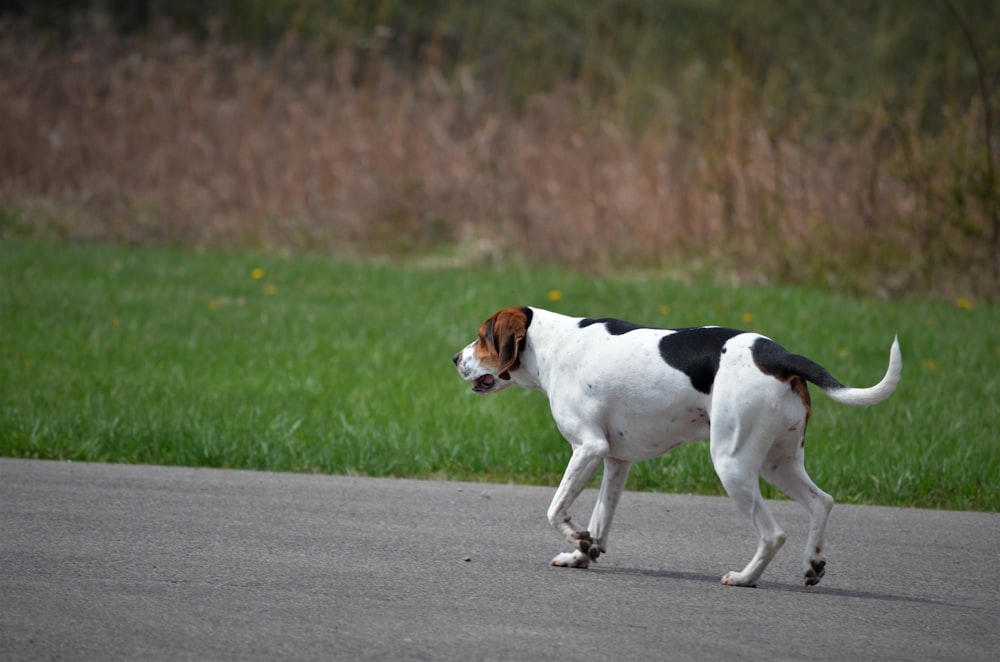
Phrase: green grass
(184,358)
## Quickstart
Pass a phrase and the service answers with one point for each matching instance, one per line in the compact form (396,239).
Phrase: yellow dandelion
(555,295)
(257,273)
(213,305)
(843,352)
(747,318)
(931,364)
(115,321)
(664,309)
(964,304)
(270,288)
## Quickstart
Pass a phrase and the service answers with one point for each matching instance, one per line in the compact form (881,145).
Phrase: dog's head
(488,360)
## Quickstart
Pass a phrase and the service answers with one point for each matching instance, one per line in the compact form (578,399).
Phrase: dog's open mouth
(483,384)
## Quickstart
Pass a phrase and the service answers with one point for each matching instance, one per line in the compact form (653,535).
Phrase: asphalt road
(107,562)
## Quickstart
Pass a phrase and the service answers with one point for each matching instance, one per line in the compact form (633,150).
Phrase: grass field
(310,364)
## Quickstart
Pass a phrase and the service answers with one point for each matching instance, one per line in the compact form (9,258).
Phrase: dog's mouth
(483,384)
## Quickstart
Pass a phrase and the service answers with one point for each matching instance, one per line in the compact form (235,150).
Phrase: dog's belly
(643,406)
(633,436)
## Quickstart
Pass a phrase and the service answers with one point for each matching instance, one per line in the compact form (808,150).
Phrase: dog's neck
(547,329)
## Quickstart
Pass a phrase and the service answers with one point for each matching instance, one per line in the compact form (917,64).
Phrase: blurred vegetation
(843,59)
(914,81)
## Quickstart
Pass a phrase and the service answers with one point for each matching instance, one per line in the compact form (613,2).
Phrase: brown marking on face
(500,340)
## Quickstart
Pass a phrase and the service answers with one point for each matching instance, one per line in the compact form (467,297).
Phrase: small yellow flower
(747,318)
(964,304)
(115,321)
(555,295)
(664,309)
(843,352)
(213,305)
(257,273)
(270,288)
(27,363)
(931,364)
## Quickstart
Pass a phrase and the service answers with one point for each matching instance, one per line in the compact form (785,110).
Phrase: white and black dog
(620,393)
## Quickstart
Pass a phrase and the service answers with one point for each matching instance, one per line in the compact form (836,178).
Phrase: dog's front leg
(612,485)
(582,467)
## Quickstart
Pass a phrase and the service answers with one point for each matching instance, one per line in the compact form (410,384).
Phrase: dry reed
(170,142)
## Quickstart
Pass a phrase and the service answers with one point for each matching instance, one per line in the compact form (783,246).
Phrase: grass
(307,364)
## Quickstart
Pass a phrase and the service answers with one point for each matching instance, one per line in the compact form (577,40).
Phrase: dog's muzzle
(484,383)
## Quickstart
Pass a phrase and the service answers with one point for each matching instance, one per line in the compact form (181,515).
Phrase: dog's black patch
(775,360)
(529,314)
(696,352)
(614,326)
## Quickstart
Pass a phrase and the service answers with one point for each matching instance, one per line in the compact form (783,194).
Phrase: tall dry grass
(168,141)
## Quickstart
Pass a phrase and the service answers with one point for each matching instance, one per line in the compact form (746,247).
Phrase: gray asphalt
(110,562)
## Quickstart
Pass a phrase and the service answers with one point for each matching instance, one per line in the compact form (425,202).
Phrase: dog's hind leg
(785,470)
(738,465)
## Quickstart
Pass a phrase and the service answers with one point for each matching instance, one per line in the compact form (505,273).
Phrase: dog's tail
(872,395)
(773,359)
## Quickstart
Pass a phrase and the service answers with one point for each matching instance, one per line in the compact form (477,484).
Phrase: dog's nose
(455,358)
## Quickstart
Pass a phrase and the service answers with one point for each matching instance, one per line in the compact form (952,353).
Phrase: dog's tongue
(484,383)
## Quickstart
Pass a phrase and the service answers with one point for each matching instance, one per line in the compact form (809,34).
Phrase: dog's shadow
(677,575)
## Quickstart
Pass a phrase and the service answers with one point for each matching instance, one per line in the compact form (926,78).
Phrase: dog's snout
(455,358)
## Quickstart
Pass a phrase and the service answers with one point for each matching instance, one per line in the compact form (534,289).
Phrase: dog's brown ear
(508,329)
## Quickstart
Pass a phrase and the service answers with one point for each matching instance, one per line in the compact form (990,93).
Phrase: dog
(620,393)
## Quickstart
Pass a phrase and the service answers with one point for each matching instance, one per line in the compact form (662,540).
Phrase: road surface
(113,562)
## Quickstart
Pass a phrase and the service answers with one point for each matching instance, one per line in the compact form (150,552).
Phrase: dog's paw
(738,579)
(587,544)
(574,559)
(815,570)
